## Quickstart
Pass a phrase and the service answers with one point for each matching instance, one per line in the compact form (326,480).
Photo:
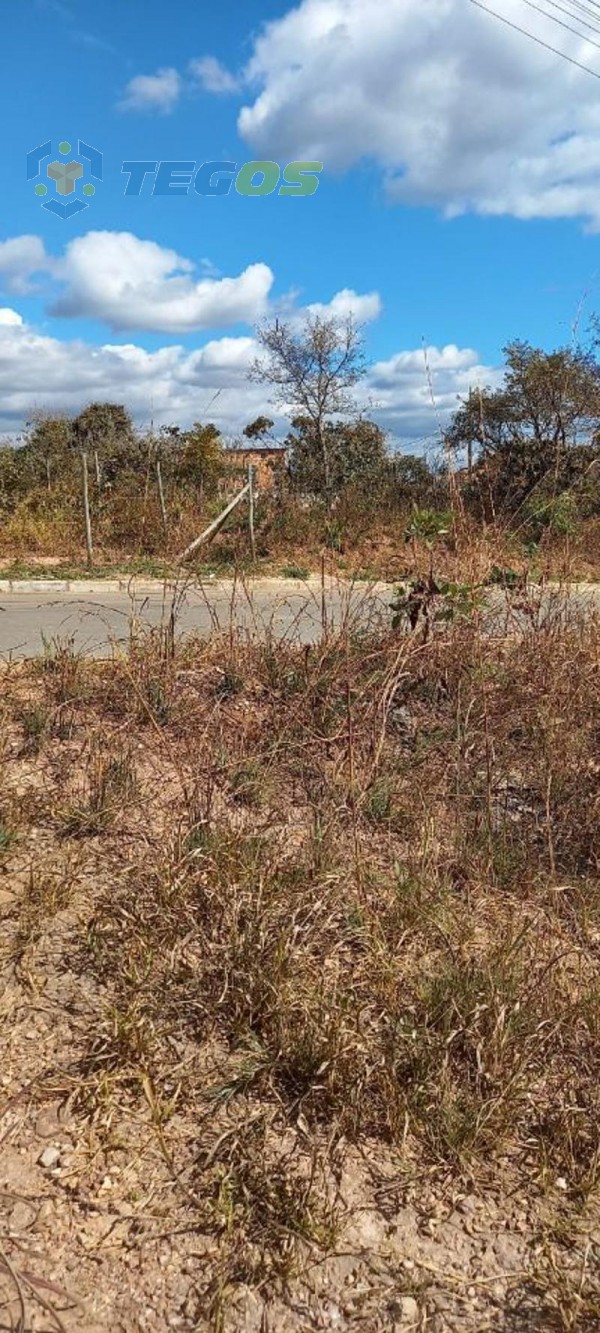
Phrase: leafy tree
(258,429)
(538,429)
(106,430)
(46,453)
(201,456)
(312,371)
(12,477)
(167,445)
(105,423)
(412,479)
(356,452)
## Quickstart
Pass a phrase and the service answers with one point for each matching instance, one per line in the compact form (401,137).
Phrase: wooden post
(97,467)
(213,527)
(251,511)
(161,496)
(86,508)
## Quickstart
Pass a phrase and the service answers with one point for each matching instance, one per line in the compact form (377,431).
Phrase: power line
(592,12)
(546,45)
(594,27)
(568,27)
(584,8)
(592,6)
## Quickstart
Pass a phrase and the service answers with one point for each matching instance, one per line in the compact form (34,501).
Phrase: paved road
(99,618)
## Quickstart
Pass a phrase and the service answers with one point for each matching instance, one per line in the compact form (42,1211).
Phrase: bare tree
(312,371)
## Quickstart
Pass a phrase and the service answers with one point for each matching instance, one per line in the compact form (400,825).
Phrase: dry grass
(366,535)
(347,892)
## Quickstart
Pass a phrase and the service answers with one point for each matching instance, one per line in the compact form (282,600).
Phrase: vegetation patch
(317,925)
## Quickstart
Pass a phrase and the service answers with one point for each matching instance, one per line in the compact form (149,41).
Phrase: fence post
(251,511)
(86,508)
(161,496)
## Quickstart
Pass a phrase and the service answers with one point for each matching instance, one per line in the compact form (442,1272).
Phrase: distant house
(265,461)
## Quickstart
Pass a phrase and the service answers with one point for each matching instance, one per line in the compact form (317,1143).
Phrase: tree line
(527,451)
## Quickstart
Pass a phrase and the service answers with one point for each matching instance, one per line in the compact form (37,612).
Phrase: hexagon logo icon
(64,171)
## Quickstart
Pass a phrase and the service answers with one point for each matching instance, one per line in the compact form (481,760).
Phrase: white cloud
(162,91)
(130,283)
(152,92)
(212,75)
(460,111)
(20,258)
(348,302)
(173,384)
(170,384)
(414,392)
(10,318)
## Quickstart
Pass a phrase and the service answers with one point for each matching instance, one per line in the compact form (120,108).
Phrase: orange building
(264,461)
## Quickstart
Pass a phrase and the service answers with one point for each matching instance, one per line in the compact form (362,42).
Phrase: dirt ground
(103,1236)
(104,1177)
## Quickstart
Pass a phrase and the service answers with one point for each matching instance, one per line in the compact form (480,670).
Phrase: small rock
(507,1252)
(47,1122)
(403,722)
(45,1216)
(467,1206)
(22,1216)
(561,1183)
(332,1314)
(49,1158)
(408,1314)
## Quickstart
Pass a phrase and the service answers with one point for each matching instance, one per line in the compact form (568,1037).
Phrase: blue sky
(457,205)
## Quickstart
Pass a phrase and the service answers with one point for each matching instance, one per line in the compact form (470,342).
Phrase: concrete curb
(312,585)
(83,586)
(62,585)
(138,585)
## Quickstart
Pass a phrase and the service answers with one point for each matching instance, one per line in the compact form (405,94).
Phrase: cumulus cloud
(130,283)
(174,384)
(460,111)
(170,384)
(20,258)
(414,393)
(152,92)
(134,284)
(348,302)
(212,75)
(10,318)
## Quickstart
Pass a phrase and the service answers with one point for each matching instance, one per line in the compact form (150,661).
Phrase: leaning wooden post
(251,511)
(86,508)
(214,527)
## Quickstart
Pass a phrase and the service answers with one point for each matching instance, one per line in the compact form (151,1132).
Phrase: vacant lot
(301,982)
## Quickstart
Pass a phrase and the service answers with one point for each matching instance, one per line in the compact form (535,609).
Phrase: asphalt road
(99,619)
